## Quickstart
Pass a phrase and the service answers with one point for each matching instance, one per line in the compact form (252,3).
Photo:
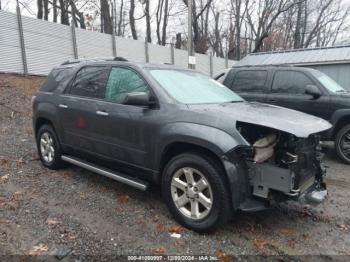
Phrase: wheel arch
(341,121)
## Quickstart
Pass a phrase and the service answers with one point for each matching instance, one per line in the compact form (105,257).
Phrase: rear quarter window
(249,81)
(55,79)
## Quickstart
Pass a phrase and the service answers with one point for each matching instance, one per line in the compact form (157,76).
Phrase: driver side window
(121,82)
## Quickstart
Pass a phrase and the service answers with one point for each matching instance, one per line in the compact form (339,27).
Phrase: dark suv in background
(212,152)
(303,89)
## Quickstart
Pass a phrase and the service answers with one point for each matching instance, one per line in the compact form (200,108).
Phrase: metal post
(226,60)
(211,63)
(146,51)
(74,42)
(190,36)
(172,53)
(21,37)
(114,47)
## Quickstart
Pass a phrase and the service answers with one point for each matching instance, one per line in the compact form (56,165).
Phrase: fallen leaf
(4,162)
(17,195)
(306,236)
(343,227)
(82,195)
(4,179)
(123,199)
(103,189)
(21,161)
(175,229)
(286,232)
(161,227)
(159,250)
(51,221)
(4,221)
(221,256)
(72,236)
(260,243)
(38,250)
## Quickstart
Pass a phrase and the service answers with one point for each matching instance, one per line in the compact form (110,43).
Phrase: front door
(289,90)
(126,132)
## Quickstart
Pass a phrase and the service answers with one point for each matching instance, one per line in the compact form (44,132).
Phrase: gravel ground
(81,213)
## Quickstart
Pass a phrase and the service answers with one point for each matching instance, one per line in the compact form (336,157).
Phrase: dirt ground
(76,212)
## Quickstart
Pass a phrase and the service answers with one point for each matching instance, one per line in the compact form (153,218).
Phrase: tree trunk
(46,10)
(165,22)
(40,9)
(148,22)
(121,15)
(238,29)
(106,17)
(54,4)
(297,38)
(132,19)
(64,12)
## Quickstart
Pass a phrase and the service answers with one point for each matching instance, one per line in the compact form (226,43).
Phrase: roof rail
(265,65)
(77,61)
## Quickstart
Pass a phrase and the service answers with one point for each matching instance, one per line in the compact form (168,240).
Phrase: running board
(137,183)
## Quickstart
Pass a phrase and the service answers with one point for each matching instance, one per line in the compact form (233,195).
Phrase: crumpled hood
(280,118)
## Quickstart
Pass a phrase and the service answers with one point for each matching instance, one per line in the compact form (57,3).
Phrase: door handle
(272,100)
(63,106)
(101,113)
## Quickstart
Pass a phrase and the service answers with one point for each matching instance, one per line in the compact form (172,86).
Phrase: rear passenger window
(291,82)
(90,82)
(122,81)
(249,81)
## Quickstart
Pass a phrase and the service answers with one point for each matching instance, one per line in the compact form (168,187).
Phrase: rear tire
(49,148)
(342,144)
(196,193)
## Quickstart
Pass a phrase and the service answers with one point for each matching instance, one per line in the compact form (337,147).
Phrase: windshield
(190,87)
(328,82)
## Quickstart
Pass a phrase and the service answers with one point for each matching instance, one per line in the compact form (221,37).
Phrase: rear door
(78,106)
(250,84)
(288,90)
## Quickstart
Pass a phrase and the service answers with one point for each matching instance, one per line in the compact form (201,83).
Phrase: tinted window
(290,82)
(54,79)
(90,82)
(122,81)
(250,81)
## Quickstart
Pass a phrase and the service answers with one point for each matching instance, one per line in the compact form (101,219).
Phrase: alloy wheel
(47,147)
(345,144)
(191,193)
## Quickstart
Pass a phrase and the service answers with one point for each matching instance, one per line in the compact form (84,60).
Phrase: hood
(279,118)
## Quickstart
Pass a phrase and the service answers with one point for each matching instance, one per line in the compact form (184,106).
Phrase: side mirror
(138,99)
(313,90)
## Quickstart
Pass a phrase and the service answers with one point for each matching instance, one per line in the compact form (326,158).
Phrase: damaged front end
(282,166)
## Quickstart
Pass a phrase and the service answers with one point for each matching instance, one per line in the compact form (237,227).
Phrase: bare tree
(132,19)
(162,16)
(147,14)
(40,7)
(107,25)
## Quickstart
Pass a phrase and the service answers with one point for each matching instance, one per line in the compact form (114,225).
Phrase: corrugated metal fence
(32,46)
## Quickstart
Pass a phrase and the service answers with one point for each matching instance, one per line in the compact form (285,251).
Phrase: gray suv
(211,152)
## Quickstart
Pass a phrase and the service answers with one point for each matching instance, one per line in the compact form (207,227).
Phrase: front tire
(49,148)
(342,144)
(195,192)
